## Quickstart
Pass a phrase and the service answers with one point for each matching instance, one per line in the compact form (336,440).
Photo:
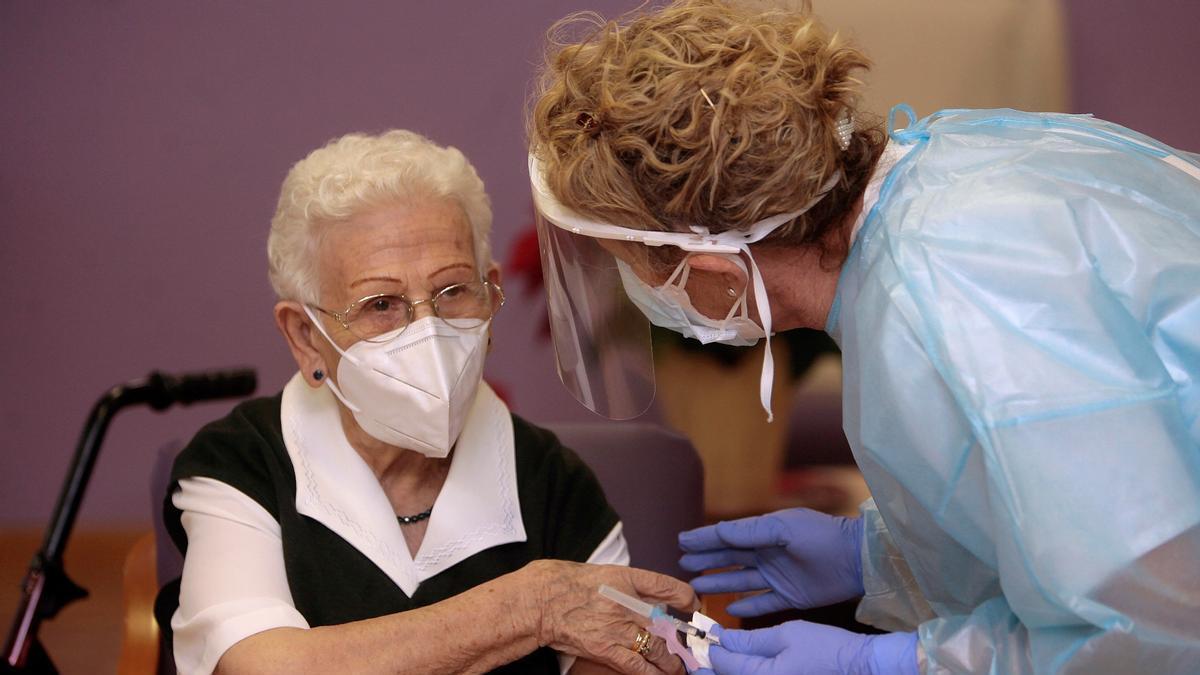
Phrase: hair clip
(588,122)
(845,130)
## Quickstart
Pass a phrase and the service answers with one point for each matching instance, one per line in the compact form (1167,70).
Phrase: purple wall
(141,149)
(1138,64)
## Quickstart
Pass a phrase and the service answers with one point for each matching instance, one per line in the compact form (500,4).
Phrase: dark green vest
(563,508)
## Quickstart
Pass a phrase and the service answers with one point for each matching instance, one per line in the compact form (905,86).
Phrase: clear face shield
(601,339)
(604,290)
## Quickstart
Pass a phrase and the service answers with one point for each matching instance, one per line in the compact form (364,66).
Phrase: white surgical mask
(669,306)
(413,391)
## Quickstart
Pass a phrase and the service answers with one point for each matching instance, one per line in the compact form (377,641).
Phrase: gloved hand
(803,558)
(803,648)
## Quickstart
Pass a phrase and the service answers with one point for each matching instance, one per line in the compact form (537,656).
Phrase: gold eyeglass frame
(411,305)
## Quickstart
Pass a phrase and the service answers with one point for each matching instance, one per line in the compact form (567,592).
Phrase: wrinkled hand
(802,558)
(577,620)
(803,648)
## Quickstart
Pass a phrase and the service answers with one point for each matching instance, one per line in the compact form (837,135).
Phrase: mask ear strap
(681,271)
(329,380)
(321,329)
(338,393)
(741,308)
(742,302)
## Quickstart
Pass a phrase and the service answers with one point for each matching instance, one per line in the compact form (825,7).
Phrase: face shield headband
(699,240)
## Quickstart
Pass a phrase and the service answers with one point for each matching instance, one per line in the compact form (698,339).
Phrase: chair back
(652,478)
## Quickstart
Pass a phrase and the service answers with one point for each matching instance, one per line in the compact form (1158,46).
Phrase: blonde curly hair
(701,113)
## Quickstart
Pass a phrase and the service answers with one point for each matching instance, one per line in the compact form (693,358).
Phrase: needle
(652,612)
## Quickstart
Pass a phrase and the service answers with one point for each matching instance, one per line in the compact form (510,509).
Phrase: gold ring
(641,644)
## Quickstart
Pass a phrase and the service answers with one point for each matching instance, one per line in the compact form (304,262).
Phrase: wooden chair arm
(139,641)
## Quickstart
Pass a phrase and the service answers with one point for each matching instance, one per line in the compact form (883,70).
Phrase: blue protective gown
(1020,324)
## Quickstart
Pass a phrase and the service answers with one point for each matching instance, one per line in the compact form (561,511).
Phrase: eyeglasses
(465,305)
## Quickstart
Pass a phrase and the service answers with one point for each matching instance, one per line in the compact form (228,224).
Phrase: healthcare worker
(1016,297)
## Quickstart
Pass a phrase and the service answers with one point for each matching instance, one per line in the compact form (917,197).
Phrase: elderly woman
(385,512)
(1017,300)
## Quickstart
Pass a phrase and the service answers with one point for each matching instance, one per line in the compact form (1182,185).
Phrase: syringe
(653,612)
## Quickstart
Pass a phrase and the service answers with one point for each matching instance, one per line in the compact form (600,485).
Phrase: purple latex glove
(802,558)
(803,648)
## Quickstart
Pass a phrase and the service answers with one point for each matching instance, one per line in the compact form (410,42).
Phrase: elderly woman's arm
(475,631)
(546,603)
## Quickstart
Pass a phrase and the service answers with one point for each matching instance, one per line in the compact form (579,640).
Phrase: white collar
(477,508)
(892,153)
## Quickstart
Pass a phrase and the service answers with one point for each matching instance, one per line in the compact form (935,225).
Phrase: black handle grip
(194,387)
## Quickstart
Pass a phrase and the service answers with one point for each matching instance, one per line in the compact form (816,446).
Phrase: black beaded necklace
(409,520)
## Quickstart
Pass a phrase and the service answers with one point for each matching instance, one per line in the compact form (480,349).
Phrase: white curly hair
(357,172)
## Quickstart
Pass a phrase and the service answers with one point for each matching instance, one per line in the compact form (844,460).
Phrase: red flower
(525,264)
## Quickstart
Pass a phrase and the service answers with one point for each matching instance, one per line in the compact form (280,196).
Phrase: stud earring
(318,375)
(732,293)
